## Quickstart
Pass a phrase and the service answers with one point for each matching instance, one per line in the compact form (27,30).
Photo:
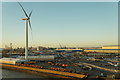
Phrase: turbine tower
(27,19)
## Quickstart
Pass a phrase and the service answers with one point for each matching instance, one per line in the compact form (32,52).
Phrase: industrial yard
(71,61)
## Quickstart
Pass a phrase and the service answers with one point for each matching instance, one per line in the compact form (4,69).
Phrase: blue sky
(73,24)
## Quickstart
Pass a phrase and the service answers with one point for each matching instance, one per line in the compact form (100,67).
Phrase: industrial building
(106,49)
(22,60)
(111,47)
(12,61)
(40,58)
(69,50)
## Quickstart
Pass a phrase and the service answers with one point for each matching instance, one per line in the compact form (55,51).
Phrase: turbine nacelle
(25,18)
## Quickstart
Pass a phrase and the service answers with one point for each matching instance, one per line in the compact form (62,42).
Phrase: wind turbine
(27,19)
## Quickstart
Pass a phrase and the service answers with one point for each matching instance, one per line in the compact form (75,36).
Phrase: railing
(36,68)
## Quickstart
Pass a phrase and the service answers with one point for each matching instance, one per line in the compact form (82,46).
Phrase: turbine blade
(30,14)
(30,24)
(23,9)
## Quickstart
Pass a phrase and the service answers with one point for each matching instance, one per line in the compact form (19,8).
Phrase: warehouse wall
(111,47)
